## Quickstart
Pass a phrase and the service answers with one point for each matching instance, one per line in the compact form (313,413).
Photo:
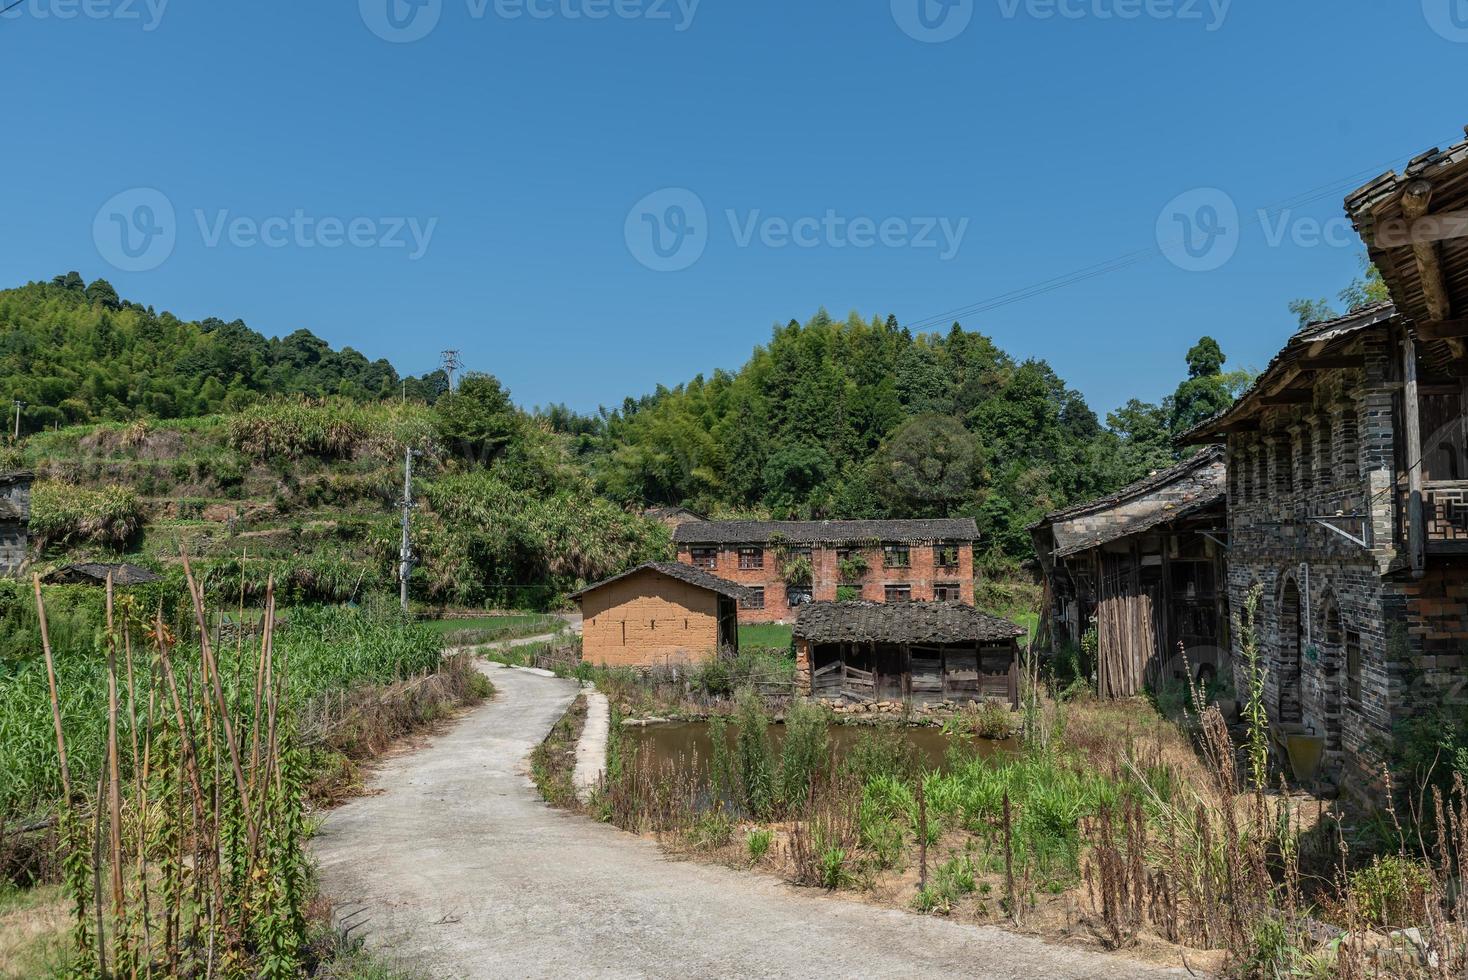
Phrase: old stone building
(661,614)
(1145,567)
(15,511)
(788,564)
(1348,489)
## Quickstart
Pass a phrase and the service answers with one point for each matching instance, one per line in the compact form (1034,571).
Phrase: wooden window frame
(890,550)
(755,599)
(939,553)
(901,587)
(705,558)
(955,587)
(751,559)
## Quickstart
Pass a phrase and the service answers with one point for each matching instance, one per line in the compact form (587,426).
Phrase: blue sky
(1046,136)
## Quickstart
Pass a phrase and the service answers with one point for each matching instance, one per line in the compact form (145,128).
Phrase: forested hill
(74,353)
(830,419)
(861,419)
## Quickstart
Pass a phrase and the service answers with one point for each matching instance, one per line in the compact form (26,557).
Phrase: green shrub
(807,748)
(63,514)
(754,757)
(295,429)
(758,843)
(833,870)
(722,781)
(1390,891)
(711,830)
(992,720)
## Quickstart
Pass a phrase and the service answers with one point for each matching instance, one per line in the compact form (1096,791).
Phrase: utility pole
(18,406)
(451,363)
(405,566)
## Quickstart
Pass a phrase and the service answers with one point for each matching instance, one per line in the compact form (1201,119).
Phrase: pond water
(666,743)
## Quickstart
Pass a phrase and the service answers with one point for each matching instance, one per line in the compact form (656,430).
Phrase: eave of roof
(1322,332)
(1150,484)
(675,570)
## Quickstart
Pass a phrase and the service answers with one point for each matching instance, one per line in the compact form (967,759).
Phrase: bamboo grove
(185,857)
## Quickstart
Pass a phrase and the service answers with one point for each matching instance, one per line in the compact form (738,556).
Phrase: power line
(12,6)
(1138,256)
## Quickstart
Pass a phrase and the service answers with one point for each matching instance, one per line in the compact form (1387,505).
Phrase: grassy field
(764,635)
(510,626)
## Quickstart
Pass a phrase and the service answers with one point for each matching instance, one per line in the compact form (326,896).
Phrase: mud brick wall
(649,620)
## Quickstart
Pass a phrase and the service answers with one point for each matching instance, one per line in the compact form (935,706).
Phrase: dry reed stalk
(51,680)
(114,788)
(212,676)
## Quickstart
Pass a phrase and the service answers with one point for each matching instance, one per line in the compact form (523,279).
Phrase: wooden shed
(906,651)
(662,614)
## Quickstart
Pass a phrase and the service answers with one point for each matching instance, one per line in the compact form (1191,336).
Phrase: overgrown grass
(331,650)
(769,636)
(64,514)
(553,763)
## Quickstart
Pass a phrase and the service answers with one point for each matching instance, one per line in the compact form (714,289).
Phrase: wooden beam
(1441,330)
(1416,530)
(1415,203)
(1290,396)
(1332,363)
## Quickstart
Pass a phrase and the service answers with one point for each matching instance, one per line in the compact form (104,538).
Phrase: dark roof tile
(901,622)
(679,571)
(827,532)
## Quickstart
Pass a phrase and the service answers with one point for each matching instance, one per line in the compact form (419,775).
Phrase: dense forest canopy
(75,353)
(854,418)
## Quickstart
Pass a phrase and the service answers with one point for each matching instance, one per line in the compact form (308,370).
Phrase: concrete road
(457,869)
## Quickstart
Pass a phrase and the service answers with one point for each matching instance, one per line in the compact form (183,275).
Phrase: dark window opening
(946,555)
(754,600)
(896,556)
(705,558)
(1353,666)
(947,592)
(751,558)
(798,595)
(897,593)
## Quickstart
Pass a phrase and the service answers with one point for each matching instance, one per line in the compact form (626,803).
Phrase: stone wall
(15,508)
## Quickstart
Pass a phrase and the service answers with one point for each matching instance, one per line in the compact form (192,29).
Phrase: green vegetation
(767,636)
(62,514)
(553,763)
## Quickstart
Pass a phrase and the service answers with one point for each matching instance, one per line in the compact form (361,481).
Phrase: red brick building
(788,564)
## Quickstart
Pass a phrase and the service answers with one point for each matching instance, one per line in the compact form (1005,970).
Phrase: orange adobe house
(661,614)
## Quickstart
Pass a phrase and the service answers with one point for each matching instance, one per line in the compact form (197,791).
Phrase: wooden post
(1416,529)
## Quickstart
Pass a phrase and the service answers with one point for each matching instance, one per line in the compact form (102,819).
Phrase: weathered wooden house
(1348,489)
(907,651)
(788,564)
(661,614)
(15,512)
(1145,566)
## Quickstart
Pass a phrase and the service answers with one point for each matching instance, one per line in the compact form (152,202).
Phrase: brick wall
(649,620)
(922,575)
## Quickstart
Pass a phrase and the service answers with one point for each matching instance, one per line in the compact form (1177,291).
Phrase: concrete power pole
(18,406)
(405,566)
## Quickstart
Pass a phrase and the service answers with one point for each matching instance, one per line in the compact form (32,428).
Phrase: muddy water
(669,742)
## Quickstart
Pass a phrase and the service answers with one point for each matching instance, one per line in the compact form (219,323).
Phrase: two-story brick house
(1348,487)
(787,564)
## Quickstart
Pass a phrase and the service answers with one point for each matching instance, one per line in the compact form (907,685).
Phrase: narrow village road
(455,868)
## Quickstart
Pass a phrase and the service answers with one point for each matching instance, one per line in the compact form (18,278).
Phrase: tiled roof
(827,532)
(679,571)
(94,572)
(1207,457)
(901,622)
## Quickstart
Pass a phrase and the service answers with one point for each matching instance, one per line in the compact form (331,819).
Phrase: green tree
(927,465)
(478,420)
